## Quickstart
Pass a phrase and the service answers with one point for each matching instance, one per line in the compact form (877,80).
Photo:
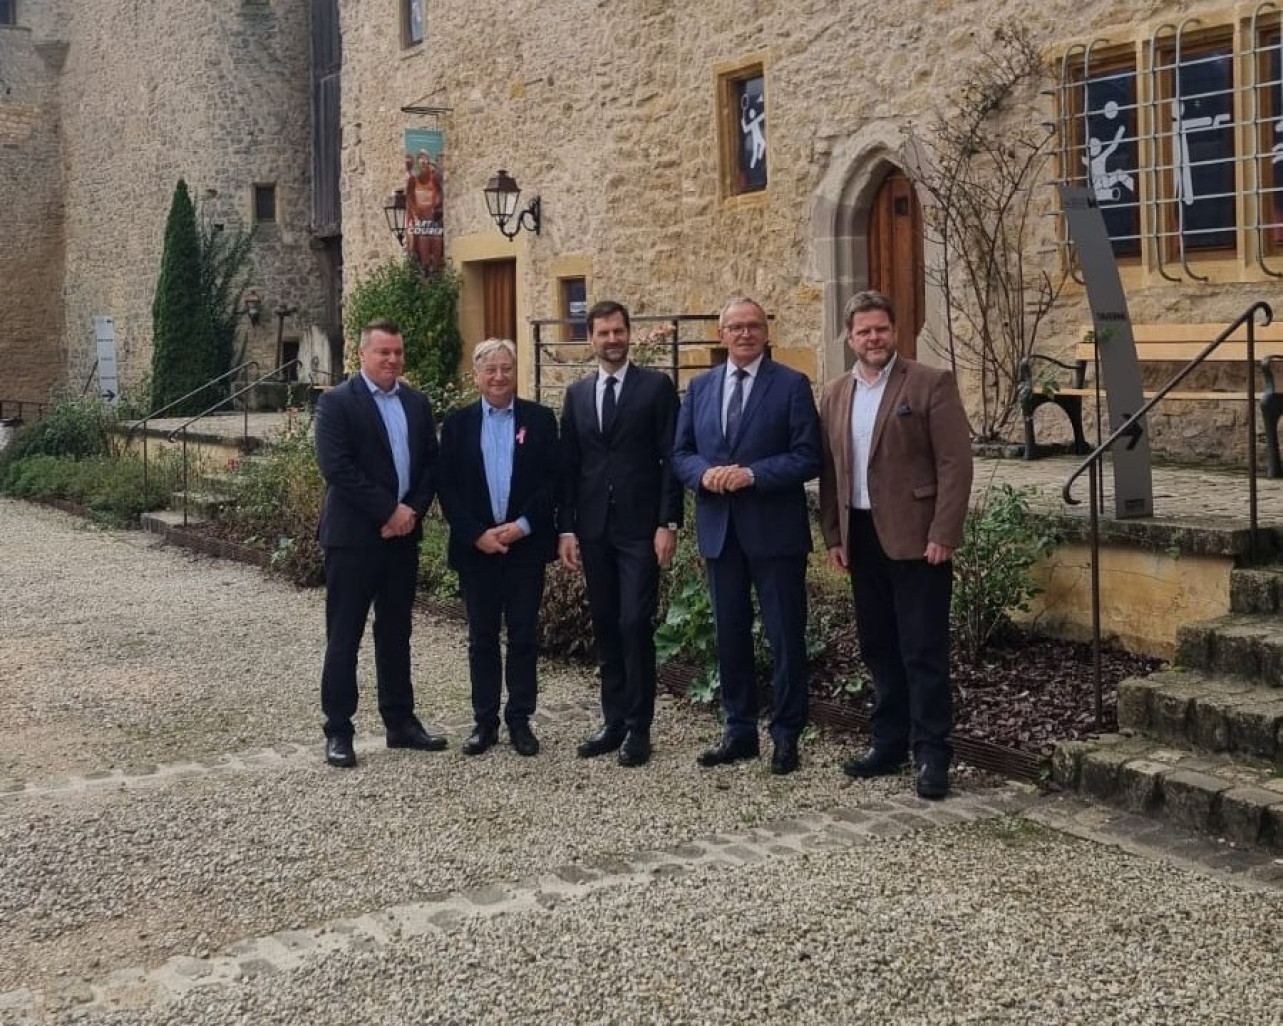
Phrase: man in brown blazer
(895,484)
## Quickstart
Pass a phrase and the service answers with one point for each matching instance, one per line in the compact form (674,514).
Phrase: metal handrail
(141,425)
(182,428)
(1091,465)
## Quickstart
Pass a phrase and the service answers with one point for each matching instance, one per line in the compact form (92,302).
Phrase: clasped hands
(400,523)
(730,478)
(497,540)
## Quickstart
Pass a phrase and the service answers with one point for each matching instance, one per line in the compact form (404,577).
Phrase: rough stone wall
(213,92)
(31,213)
(609,112)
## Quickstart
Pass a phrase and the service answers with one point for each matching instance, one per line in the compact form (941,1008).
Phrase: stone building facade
(111,103)
(617,116)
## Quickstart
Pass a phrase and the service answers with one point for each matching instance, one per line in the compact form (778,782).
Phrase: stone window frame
(258,190)
(728,76)
(408,40)
(8,13)
(1248,246)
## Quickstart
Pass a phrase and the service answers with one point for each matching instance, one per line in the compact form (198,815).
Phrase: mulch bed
(1026,693)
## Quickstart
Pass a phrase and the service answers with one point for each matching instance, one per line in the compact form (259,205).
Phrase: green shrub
(74,429)
(427,313)
(276,503)
(436,579)
(110,487)
(1001,542)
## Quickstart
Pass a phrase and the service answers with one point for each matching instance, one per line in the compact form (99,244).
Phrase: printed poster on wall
(424,198)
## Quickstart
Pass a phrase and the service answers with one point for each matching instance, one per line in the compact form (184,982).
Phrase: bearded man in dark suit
(376,445)
(620,512)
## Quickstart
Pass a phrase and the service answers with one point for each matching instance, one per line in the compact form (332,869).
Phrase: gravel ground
(118,652)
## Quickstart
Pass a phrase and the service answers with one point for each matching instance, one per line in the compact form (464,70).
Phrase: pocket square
(903,410)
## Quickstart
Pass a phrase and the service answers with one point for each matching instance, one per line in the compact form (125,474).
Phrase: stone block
(1066,762)
(1134,702)
(1271,835)
(1099,773)
(1170,712)
(1140,785)
(1235,651)
(1242,813)
(1254,727)
(1209,716)
(1194,645)
(1254,591)
(1192,799)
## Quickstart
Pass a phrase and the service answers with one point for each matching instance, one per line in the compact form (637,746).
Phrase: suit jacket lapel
(890,401)
(365,401)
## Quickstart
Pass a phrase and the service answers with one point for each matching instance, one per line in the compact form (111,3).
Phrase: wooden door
(896,265)
(499,299)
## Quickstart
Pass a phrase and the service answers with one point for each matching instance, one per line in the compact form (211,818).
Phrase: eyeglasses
(743,329)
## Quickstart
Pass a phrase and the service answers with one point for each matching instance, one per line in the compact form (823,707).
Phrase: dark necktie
(736,407)
(608,405)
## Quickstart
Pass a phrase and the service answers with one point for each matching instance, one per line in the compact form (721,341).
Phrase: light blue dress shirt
(393,414)
(497,445)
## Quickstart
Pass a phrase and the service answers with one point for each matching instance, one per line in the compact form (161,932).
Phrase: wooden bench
(1176,344)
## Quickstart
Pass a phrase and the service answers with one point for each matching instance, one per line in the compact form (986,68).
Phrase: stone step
(1216,795)
(1256,589)
(204,504)
(162,521)
(1241,644)
(1211,712)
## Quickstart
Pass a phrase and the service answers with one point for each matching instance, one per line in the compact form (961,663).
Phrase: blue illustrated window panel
(750,111)
(1203,158)
(1110,156)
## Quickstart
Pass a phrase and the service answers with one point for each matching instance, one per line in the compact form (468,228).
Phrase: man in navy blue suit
(376,445)
(497,477)
(748,440)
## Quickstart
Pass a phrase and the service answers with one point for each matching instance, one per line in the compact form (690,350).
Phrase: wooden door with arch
(896,263)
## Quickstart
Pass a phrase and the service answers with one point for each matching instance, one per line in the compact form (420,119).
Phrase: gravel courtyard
(173,849)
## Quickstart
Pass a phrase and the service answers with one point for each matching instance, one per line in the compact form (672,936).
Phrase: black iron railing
(276,374)
(1091,466)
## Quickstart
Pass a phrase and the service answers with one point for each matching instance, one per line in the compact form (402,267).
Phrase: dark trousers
(502,591)
(621,576)
(385,576)
(780,583)
(902,617)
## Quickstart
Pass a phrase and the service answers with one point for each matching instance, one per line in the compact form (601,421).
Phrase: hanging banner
(424,198)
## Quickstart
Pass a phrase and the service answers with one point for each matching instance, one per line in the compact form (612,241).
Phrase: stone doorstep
(1217,714)
(1209,794)
(1244,644)
(1256,589)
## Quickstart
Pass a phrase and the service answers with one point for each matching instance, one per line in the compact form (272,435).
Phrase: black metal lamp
(502,196)
(394,212)
(253,306)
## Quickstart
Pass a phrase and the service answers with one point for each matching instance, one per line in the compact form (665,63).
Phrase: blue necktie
(736,407)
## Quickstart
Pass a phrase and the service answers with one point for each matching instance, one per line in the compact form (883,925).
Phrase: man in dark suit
(748,439)
(497,477)
(894,492)
(376,446)
(620,512)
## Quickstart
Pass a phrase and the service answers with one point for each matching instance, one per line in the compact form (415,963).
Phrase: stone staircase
(1201,744)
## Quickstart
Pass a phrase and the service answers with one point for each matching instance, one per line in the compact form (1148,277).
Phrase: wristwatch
(671,527)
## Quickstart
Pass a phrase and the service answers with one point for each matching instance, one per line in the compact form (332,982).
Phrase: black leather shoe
(784,760)
(608,739)
(933,781)
(480,741)
(874,763)
(726,751)
(339,752)
(412,735)
(523,739)
(635,751)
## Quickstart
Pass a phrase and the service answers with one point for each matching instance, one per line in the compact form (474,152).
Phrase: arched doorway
(895,255)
